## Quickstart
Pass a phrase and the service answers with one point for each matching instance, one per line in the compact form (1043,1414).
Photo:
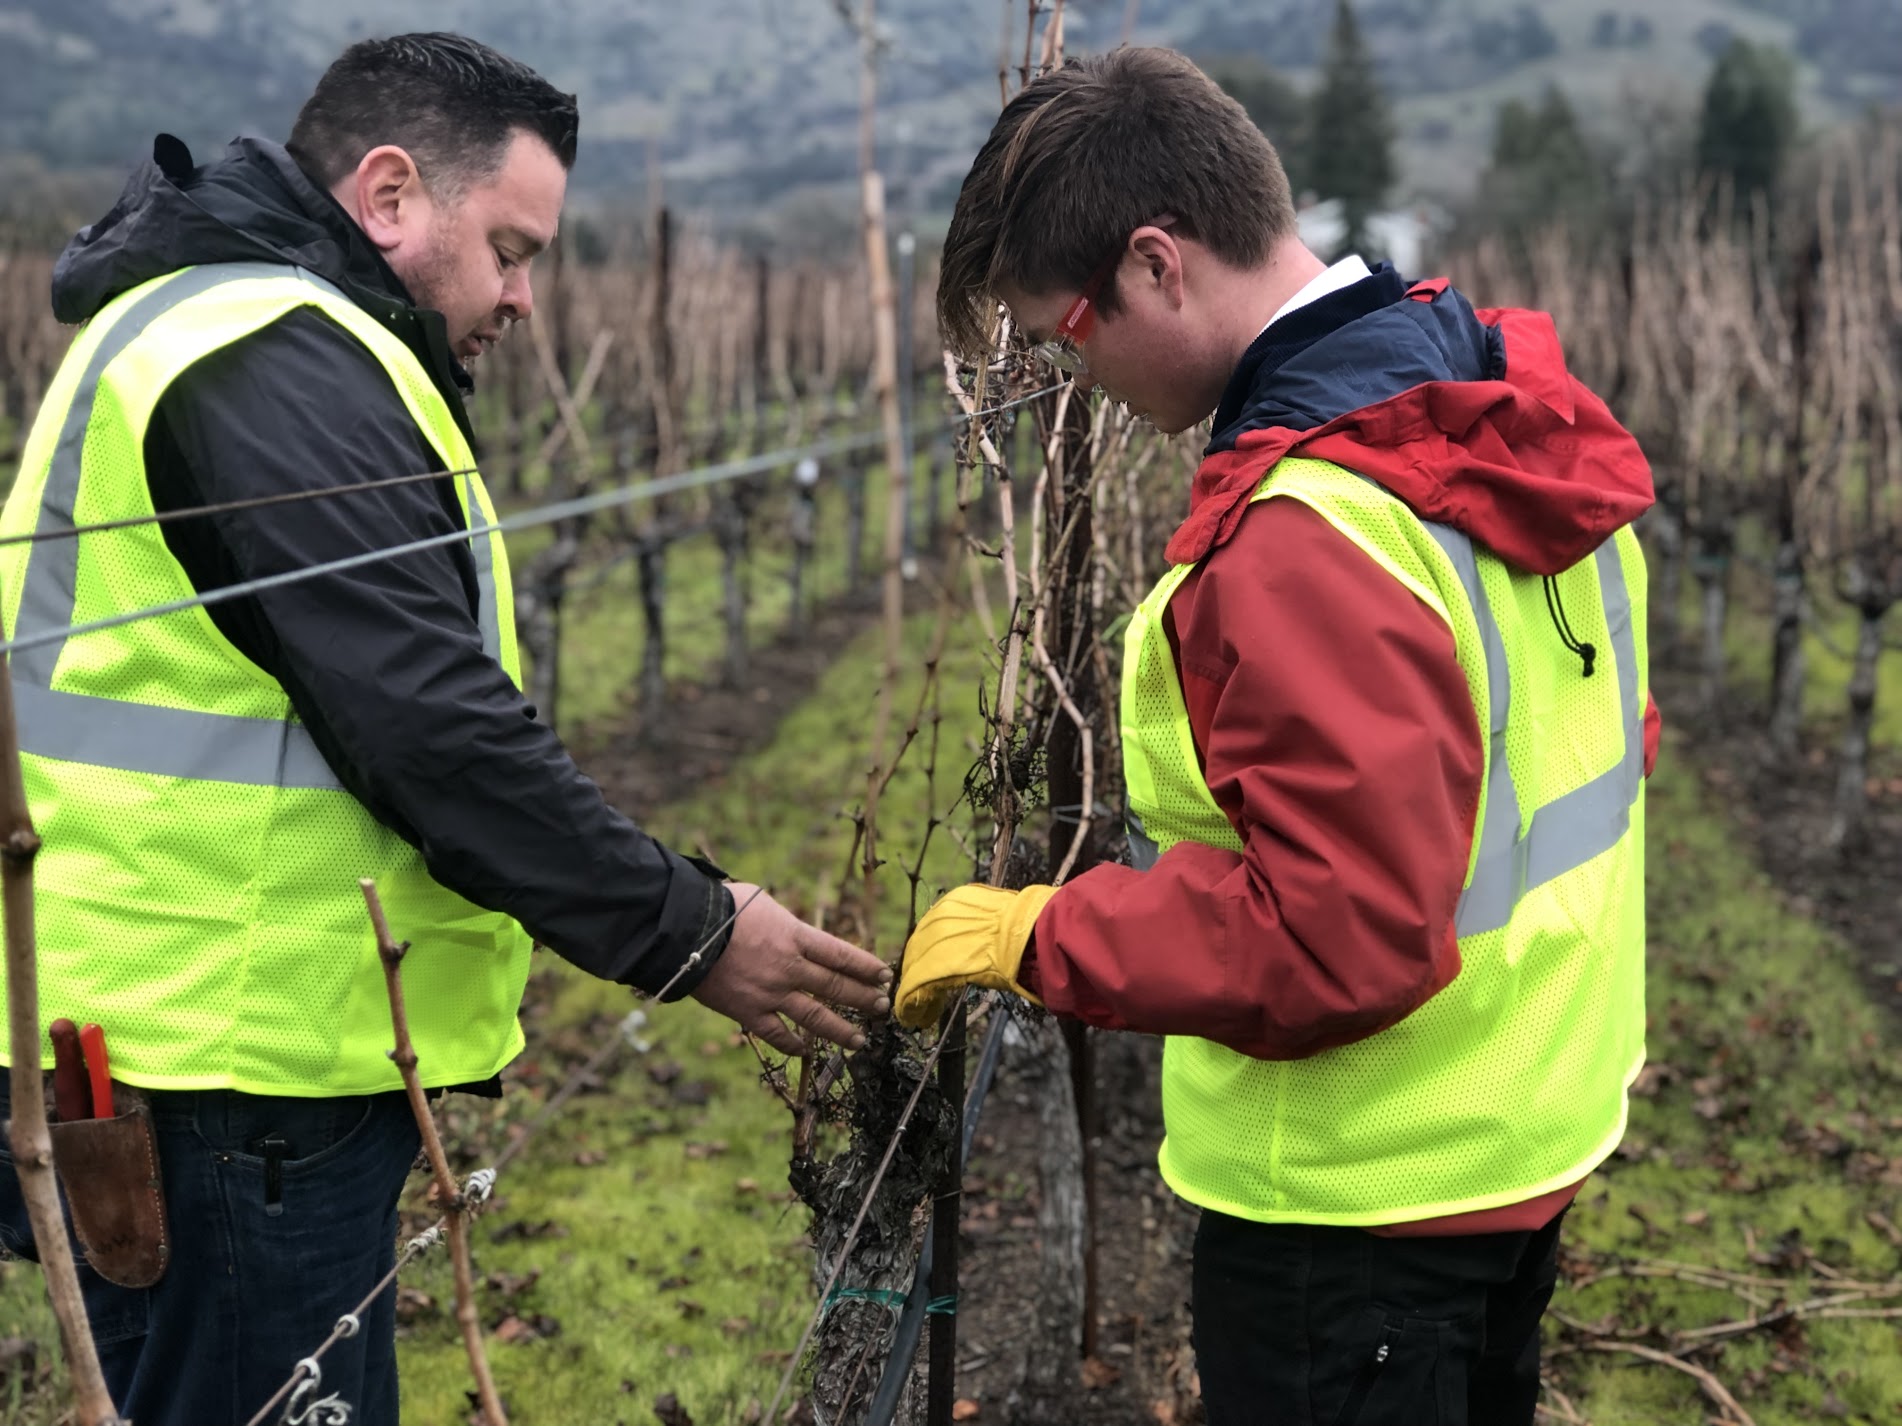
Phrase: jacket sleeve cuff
(710,940)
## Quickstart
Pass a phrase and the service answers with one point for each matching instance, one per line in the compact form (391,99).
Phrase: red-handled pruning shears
(82,1078)
(92,1042)
(72,1098)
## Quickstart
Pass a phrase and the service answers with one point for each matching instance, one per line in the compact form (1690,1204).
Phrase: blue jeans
(282,1216)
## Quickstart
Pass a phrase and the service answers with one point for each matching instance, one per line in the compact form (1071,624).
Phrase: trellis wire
(520,520)
(288,497)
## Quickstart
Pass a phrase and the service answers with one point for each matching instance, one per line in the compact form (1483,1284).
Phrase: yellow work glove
(975,935)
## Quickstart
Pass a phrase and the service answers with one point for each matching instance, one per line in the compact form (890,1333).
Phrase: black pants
(1297,1325)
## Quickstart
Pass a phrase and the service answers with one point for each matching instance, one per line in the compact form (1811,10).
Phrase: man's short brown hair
(1084,156)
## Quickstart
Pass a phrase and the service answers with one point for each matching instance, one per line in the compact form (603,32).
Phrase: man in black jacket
(421,179)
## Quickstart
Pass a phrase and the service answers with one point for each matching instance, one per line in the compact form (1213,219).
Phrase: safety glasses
(1063,350)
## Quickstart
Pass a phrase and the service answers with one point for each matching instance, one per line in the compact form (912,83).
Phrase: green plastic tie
(891,1297)
(884,1296)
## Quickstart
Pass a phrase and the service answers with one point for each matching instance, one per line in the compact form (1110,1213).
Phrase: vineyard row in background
(1754,346)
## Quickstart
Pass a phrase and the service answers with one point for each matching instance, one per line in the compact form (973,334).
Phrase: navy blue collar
(1353,349)
(1287,337)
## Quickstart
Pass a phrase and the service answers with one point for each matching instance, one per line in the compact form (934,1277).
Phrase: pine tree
(1749,119)
(1350,130)
(1543,172)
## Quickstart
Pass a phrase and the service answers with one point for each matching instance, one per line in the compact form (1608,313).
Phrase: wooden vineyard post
(762,382)
(1056,1310)
(652,560)
(802,529)
(1068,662)
(32,1145)
(897,461)
(854,521)
(906,379)
(665,412)
(732,519)
(1082,1046)
(543,586)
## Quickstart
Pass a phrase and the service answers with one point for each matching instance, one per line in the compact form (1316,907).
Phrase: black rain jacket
(384,662)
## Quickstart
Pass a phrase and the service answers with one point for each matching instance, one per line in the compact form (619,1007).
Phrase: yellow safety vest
(1510,1082)
(197,888)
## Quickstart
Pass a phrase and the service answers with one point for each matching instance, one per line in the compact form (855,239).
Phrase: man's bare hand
(777,965)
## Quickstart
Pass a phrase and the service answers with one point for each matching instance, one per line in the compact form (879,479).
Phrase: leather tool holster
(110,1171)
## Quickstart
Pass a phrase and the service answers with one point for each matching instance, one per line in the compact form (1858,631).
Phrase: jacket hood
(252,205)
(1471,418)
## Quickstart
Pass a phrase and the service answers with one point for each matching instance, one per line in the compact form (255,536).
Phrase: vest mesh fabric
(1511,1081)
(215,927)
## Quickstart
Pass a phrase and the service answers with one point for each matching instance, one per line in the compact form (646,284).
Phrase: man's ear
(389,202)
(1155,260)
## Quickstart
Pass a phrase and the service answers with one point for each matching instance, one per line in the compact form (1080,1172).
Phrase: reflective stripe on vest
(140,737)
(1143,851)
(1572,830)
(1587,821)
(46,600)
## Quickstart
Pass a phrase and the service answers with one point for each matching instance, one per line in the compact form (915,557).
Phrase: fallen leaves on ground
(512,1284)
(413,1304)
(1098,1374)
(524,1229)
(532,1328)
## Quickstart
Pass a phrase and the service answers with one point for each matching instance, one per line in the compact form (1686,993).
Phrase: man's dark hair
(453,104)
(1084,156)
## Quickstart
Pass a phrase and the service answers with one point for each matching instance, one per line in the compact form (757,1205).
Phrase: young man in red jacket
(1386,724)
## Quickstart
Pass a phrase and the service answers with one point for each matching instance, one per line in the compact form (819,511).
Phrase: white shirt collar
(1345,273)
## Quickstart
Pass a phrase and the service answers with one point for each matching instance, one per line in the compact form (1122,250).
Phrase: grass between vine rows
(1764,1132)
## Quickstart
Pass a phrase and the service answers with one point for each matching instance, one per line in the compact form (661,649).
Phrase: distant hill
(747,104)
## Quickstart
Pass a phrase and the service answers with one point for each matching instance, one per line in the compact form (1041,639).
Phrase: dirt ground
(706,725)
(1143,1368)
